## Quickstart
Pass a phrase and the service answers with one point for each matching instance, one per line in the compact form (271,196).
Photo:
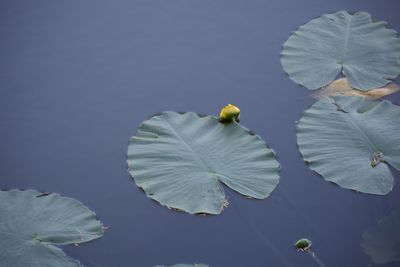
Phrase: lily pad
(341,87)
(351,141)
(382,241)
(33,224)
(363,49)
(182,160)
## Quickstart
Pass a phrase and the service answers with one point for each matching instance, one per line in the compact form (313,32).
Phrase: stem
(316,258)
(259,234)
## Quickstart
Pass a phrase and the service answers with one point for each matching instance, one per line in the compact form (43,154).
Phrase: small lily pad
(351,141)
(363,49)
(182,160)
(303,244)
(33,225)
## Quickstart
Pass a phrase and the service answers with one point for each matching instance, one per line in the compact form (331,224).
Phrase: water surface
(77,78)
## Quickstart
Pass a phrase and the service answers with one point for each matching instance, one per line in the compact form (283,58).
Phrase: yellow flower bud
(229,113)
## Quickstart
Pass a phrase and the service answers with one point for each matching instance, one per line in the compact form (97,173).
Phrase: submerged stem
(260,235)
(316,258)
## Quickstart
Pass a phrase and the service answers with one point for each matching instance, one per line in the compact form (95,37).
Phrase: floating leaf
(32,224)
(382,242)
(363,49)
(350,141)
(342,87)
(182,160)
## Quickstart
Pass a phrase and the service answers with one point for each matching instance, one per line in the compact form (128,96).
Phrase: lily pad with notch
(361,48)
(182,160)
(351,141)
(34,224)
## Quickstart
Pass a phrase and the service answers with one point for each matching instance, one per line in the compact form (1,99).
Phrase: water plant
(355,45)
(34,224)
(182,161)
(352,141)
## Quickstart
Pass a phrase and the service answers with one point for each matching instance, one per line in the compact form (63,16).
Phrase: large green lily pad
(351,141)
(365,50)
(32,225)
(182,160)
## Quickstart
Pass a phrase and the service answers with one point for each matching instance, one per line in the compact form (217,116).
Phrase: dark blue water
(77,77)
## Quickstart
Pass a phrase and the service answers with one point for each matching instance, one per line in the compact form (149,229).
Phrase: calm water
(77,77)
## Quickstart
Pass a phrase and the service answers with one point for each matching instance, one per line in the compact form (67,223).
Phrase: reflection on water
(382,241)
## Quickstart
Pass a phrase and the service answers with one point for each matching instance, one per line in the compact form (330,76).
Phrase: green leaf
(350,141)
(182,160)
(382,241)
(32,224)
(363,49)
